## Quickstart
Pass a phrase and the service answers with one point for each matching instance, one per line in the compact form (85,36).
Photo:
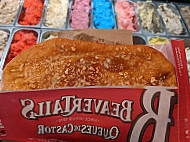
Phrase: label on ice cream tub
(94,114)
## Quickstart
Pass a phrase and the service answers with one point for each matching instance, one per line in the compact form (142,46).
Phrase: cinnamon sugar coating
(58,63)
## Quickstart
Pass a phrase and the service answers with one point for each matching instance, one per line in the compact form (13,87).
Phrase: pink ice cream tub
(80,14)
(127,16)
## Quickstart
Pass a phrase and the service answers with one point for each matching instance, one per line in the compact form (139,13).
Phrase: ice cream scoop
(80,14)
(150,18)
(126,15)
(103,15)
(8,11)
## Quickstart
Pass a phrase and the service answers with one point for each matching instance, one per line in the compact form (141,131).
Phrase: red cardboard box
(156,114)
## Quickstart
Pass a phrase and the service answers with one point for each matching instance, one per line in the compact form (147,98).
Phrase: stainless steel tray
(150,37)
(9,30)
(90,17)
(45,34)
(18,12)
(139,39)
(137,16)
(10,41)
(174,9)
(179,8)
(149,33)
(93,26)
(43,16)
(29,26)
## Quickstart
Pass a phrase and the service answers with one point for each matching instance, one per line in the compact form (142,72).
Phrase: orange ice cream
(22,40)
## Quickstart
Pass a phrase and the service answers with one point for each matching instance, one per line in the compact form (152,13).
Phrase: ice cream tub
(127,15)
(9,18)
(139,39)
(22,38)
(153,40)
(149,19)
(187,50)
(8,30)
(26,19)
(175,25)
(81,9)
(48,34)
(101,22)
(184,11)
(59,10)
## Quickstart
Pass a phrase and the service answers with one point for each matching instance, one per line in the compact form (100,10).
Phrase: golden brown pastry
(58,63)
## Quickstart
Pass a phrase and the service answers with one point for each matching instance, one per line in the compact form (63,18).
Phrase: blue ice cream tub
(103,14)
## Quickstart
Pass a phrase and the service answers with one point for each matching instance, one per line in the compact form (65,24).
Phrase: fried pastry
(59,62)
